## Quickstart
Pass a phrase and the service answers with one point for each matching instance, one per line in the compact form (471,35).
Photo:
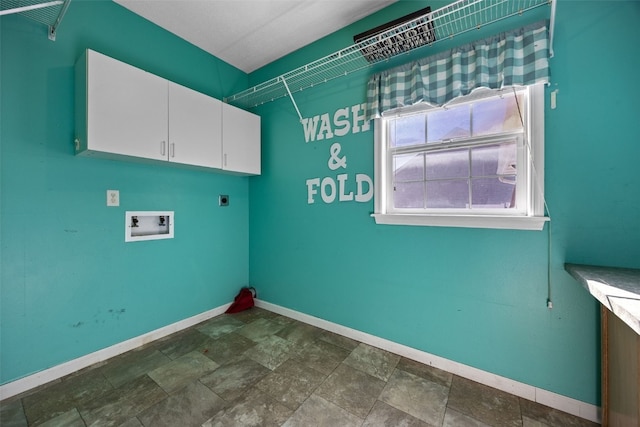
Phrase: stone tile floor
(257,368)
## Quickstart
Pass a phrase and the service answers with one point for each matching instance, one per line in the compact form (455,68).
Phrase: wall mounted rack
(49,13)
(447,22)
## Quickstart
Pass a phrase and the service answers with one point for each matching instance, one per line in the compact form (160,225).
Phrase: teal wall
(475,296)
(70,284)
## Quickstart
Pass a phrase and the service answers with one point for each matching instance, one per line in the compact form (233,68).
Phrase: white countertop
(618,289)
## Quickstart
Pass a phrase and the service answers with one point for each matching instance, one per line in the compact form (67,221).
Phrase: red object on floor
(243,300)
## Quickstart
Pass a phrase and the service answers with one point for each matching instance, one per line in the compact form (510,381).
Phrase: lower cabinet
(620,372)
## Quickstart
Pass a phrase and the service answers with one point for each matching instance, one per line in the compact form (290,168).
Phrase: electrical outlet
(223,200)
(113,198)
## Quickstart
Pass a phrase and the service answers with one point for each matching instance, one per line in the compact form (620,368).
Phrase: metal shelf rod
(30,7)
(447,22)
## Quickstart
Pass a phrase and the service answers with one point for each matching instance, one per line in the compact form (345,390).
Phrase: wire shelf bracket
(286,86)
(445,23)
(49,13)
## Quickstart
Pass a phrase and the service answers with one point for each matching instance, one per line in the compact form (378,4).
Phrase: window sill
(468,221)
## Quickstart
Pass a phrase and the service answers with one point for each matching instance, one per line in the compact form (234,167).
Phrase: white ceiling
(251,33)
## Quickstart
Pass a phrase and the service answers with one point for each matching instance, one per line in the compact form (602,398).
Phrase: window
(475,163)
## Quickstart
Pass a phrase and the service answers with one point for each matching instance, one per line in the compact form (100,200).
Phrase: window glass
(494,176)
(449,123)
(448,194)
(495,115)
(409,167)
(495,159)
(492,193)
(448,164)
(406,131)
(409,195)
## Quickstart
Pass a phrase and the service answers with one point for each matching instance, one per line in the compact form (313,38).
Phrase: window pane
(405,131)
(493,193)
(448,124)
(408,167)
(448,164)
(491,160)
(496,115)
(448,194)
(409,195)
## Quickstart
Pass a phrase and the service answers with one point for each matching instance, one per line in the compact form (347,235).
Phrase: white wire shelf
(49,13)
(444,23)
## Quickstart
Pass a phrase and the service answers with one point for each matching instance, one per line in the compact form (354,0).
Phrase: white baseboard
(39,378)
(526,391)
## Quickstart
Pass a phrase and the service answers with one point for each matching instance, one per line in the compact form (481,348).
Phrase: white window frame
(531,217)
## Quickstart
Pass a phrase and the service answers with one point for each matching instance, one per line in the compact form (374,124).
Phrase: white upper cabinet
(126,108)
(123,111)
(241,140)
(195,136)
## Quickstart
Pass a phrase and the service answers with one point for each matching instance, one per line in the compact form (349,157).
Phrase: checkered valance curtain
(519,57)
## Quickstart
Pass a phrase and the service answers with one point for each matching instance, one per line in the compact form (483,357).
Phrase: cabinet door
(195,128)
(240,140)
(621,371)
(126,109)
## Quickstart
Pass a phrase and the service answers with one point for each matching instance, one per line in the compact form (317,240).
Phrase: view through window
(474,157)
